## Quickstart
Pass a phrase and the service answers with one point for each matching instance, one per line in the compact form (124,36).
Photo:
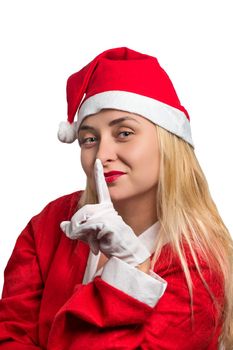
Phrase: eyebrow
(113,122)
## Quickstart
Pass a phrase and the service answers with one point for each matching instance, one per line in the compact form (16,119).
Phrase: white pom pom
(67,132)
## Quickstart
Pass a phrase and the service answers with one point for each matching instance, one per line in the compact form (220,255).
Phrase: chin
(119,196)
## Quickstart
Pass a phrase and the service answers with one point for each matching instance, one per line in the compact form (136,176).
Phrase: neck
(138,213)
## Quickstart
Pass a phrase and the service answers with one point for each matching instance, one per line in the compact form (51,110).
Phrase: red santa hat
(124,79)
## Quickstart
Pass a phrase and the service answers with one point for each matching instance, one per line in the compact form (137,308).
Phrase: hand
(103,229)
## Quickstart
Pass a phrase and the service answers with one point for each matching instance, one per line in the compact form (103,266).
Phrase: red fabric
(45,306)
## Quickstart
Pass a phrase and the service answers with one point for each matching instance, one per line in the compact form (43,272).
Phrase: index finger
(101,185)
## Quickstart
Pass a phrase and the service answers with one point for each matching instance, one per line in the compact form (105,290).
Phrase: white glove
(103,229)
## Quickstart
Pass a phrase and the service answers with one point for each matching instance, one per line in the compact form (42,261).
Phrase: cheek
(144,152)
(86,162)
(145,158)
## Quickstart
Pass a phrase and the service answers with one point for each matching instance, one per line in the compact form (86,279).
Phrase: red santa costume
(53,297)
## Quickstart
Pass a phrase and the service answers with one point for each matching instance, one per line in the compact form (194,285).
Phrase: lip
(113,178)
(113,173)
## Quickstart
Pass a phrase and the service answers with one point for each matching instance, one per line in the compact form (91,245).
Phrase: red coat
(45,305)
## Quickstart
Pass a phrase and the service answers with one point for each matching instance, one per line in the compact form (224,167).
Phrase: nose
(106,151)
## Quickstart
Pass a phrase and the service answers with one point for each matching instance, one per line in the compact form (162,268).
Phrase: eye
(87,140)
(127,133)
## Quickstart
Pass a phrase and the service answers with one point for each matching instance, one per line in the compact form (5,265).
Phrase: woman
(145,261)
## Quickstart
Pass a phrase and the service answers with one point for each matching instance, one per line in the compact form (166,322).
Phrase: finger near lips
(101,185)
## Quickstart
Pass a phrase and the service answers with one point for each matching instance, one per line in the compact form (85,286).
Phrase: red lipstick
(113,175)
(113,172)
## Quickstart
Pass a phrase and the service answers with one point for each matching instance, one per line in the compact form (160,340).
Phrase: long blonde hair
(186,210)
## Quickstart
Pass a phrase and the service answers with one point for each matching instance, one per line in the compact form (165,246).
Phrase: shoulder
(44,227)
(61,208)
(47,222)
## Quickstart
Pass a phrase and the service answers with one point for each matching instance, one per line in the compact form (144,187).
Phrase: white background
(43,42)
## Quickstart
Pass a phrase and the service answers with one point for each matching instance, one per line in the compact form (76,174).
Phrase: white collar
(148,236)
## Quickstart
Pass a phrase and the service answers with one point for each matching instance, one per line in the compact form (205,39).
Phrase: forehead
(112,117)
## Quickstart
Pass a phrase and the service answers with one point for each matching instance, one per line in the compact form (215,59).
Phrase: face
(123,142)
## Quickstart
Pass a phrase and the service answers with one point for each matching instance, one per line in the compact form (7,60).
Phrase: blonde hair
(187,212)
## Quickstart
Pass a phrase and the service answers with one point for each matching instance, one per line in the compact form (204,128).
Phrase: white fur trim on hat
(67,132)
(168,117)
